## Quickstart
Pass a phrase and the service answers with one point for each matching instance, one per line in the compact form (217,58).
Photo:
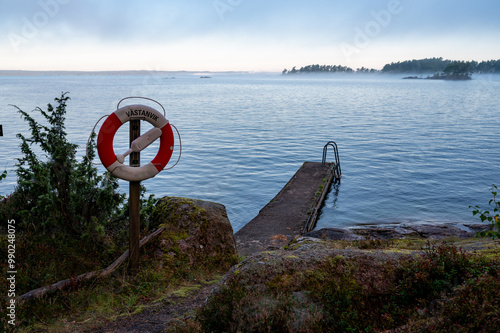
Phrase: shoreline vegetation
(440,76)
(421,66)
(442,69)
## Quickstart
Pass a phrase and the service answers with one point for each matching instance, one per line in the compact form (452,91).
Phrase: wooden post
(134,202)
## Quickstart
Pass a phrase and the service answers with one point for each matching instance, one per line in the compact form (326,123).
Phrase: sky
(241,35)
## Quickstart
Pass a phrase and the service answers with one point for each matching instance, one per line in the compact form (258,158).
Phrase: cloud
(293,30)
(112,20)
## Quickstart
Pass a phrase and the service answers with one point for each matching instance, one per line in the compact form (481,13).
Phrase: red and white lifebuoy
(107,133)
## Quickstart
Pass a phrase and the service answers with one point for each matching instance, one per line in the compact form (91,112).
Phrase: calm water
(410,150)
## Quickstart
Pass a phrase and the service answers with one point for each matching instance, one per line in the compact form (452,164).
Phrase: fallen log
(61,285)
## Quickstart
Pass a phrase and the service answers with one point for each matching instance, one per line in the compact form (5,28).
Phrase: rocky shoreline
(309,282)
(349,277)
(400,231)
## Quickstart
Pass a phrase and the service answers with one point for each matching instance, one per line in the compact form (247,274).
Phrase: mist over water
(410,150)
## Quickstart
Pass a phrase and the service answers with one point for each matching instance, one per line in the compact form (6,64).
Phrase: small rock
(334,234)
(478,227)
(385,232)
(435,231)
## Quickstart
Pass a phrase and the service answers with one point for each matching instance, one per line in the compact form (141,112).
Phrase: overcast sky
(247,35)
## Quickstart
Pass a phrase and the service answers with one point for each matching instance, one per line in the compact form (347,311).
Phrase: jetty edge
(291,213)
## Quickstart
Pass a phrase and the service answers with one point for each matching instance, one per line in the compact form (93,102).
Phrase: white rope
(117,107)
(146,98)
(180,148)
(178,159)
(88,141)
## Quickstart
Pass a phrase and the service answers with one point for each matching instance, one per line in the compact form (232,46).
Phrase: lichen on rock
(315,285)
(197,233)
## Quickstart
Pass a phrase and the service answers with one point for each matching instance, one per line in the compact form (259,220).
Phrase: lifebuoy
(107,133)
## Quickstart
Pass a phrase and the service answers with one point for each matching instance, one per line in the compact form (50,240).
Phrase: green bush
(493,217)
(59,194)
(3,176)
(474,306)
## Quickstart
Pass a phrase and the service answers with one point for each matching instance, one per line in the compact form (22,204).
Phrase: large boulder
(281,290)
(313,285)
(197,233)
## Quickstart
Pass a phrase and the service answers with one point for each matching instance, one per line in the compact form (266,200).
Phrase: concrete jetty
(290,213)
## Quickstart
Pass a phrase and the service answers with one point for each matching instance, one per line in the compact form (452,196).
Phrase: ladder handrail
(336,167)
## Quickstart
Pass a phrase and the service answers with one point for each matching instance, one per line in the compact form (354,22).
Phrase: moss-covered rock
(358,286)
(197,233)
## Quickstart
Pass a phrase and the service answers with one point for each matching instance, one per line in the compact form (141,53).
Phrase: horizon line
(4,72)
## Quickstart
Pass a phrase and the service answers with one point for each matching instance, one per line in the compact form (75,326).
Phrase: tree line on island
(442,69)
(327,69)
(432,65)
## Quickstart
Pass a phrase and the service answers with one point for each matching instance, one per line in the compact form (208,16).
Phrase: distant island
(455,70)
(327,69)
(442,69)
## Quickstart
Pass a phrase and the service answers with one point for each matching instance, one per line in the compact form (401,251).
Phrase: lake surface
(410,150)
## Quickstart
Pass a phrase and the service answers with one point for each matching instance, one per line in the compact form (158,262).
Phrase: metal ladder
(336,165)
(332,182)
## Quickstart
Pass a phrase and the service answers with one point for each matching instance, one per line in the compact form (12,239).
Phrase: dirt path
(161,316)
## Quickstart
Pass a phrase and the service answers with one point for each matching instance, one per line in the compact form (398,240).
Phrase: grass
(108,300)
(41,261)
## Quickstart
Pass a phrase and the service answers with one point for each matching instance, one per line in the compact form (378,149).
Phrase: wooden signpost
(134,172)
(134,201)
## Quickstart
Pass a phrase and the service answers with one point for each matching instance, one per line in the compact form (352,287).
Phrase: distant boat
(205,77)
